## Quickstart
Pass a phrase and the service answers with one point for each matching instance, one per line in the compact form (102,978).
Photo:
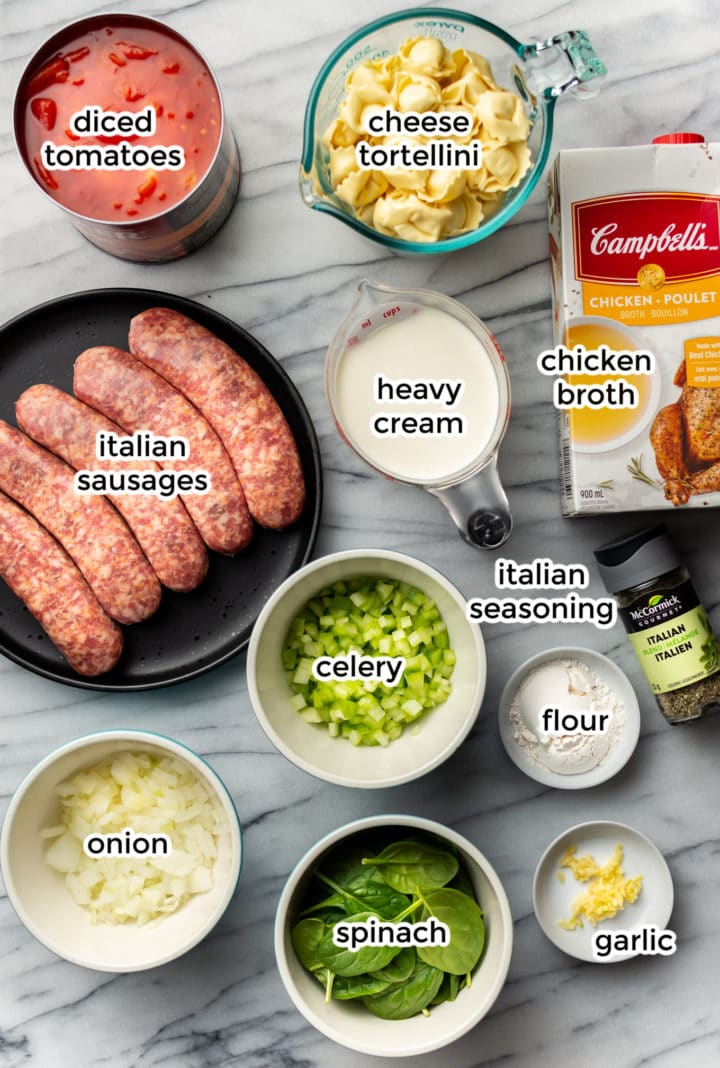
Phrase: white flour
(571,686)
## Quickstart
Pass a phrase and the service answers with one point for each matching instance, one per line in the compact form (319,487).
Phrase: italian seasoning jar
(668,626)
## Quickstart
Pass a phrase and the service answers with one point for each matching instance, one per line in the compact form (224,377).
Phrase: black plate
(191,632)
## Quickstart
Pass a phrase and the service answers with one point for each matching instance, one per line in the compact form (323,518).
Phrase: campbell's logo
(614,237)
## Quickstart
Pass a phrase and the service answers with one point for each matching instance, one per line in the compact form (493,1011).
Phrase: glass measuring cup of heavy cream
(418,387)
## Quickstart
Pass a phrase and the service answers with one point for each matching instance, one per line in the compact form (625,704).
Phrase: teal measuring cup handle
(564,62)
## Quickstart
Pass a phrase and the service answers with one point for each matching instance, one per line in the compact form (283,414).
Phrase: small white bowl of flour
(569,718)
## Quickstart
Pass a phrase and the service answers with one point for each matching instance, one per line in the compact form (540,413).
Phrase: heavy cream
(419,397)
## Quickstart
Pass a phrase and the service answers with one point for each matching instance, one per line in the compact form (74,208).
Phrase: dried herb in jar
(668,626)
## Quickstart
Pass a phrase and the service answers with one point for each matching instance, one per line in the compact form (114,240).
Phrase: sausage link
(129,393)
(237,404)
(42,575)
(165,531)
(87,527)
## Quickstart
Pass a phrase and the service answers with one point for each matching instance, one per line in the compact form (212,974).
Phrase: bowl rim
(606,769)
(448,244)
(349,555)
(616,826)
(124,735)
(420,823)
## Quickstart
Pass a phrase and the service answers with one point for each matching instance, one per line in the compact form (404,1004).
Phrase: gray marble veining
(288,275)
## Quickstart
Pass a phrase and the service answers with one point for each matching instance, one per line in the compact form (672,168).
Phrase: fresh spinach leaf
(326,978)
(467,931)
(306,937)
(449,989)
(358,986)
(462,883)
(334,901)
(407,999)
(349,962)
(400,968)
(410,866)
(365,891)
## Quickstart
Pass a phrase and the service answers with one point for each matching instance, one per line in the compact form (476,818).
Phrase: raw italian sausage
(131,394)
(165,531)
(41,574)
(235,401)
(88,528)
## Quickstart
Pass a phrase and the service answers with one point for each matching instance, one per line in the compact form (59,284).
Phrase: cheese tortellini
(428,204)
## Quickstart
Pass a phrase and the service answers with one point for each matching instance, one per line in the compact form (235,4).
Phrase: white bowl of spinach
(387,1000)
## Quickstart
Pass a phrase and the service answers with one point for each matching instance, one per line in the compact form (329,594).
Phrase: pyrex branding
(614,236)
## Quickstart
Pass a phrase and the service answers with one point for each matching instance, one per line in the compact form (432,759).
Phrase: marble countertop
(288,275)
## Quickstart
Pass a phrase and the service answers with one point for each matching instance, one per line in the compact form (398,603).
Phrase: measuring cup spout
(479,507)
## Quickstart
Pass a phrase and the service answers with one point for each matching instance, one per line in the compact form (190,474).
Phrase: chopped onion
(151,795)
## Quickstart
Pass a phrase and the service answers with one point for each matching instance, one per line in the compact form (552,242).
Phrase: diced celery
(369,617)
(289,658)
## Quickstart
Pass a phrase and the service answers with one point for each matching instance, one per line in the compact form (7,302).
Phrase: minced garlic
(608,891)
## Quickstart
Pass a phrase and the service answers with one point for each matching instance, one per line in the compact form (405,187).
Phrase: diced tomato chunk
(45,174)
(134,51)
(45,111)
(54,71)
(146,188)
(171,68)
(132,92)
(78,54)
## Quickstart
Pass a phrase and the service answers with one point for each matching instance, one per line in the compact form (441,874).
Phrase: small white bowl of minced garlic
(121,850)
(569,718)
(603,893)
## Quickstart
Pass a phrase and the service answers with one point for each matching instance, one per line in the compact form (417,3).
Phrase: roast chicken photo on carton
(686,439)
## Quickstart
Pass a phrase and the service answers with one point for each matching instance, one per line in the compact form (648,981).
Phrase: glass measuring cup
(539,72)
(471,492)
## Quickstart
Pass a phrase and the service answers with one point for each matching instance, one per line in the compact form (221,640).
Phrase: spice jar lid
(636,558)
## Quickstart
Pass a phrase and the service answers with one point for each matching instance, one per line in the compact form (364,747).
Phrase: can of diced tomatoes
(120,121)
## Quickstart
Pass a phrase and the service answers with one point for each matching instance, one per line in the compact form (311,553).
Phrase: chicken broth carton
(635,265)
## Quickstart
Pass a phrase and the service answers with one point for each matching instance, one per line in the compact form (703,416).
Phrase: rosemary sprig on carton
(635,467)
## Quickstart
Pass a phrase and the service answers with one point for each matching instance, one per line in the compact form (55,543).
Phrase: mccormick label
(635,266)
(672,637)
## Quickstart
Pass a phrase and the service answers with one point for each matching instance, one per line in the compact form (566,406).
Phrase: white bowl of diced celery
(376,606)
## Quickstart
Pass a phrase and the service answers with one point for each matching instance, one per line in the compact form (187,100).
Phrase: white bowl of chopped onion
(121,912)
(384,736)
